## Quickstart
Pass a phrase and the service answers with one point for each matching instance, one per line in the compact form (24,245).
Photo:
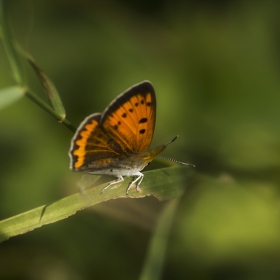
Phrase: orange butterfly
(115,142)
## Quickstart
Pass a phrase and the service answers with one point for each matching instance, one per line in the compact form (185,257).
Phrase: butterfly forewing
(130,118)
(92,145)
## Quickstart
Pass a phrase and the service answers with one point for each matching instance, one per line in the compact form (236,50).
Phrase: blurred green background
(215,67)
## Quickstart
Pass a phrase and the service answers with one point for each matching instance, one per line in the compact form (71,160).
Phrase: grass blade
(10,95)
(48,86)
(8,43)
(165,183)
(153,265)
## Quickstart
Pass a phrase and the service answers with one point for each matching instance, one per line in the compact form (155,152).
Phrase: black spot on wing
(143,120)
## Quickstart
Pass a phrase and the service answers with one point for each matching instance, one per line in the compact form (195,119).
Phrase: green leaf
(153,265)
(166,183)
(10,95)
(48,86)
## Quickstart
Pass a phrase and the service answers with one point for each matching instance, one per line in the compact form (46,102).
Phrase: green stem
(153,265)
(32,96)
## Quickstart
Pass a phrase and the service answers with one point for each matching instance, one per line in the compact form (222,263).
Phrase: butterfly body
(126,165)
(116,141)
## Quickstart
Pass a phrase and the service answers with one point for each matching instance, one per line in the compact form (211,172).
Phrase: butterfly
(116,141)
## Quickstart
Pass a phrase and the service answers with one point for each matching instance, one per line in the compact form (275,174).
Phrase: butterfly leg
(138,180)
(118,180)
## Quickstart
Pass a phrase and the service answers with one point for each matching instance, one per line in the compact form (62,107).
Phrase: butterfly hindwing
(92,146)
(130,118)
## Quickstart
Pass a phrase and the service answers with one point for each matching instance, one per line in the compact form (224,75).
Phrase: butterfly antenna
(172,140)
(174,160)
(177,161)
